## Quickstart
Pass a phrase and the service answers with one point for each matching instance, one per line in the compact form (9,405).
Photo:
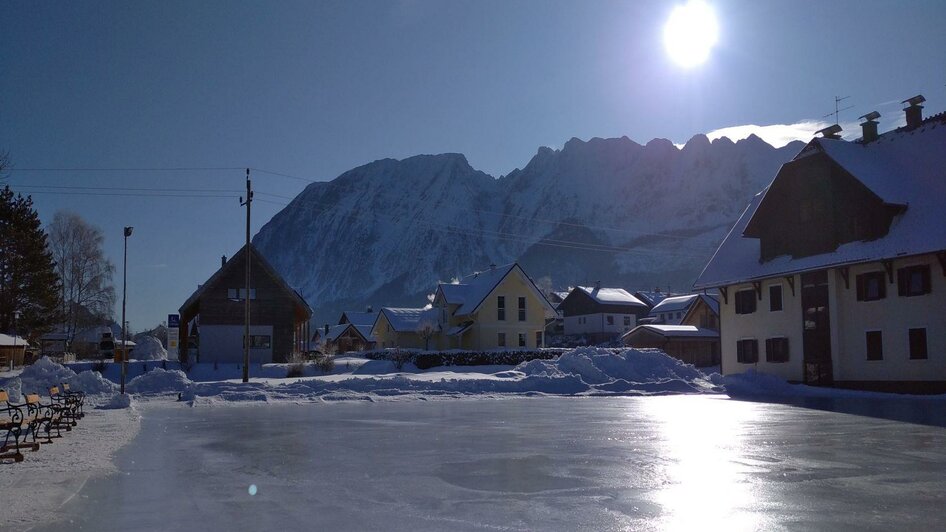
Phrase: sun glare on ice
(690,33)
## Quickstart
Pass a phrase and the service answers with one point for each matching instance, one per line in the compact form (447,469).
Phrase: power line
(332,184)
(126,194)
(129,169)
(133,189)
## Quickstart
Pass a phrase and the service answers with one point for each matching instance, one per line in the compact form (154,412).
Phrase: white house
(600,314)
(836,272)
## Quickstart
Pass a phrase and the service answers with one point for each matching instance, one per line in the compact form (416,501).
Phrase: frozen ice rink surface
(540,463)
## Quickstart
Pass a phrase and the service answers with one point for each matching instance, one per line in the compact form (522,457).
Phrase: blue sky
(312,89)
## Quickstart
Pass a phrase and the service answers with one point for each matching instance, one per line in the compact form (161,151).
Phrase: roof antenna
(838,109)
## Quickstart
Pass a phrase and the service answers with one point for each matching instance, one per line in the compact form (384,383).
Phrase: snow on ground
(756,385)
(585,371)
(46,479)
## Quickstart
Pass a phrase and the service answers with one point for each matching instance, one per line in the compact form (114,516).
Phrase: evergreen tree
(29,284)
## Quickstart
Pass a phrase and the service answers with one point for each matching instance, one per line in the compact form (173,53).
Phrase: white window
(240,293)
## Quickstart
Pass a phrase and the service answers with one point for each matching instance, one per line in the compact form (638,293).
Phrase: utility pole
(246,327)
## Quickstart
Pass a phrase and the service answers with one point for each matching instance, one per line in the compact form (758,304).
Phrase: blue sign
(174,321)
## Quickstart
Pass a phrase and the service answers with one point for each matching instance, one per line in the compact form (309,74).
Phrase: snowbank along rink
(383,430)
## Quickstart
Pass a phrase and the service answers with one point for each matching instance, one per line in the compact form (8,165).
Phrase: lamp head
(128,231)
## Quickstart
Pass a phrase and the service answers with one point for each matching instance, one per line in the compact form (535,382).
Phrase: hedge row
(431,359)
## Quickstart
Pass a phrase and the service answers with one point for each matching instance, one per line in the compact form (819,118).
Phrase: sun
(690,33)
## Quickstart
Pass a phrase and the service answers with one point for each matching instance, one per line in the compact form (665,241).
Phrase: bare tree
(87,293)
(427,329)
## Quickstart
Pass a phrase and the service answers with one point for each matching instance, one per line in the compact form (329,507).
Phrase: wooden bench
(14,424)
(48,417)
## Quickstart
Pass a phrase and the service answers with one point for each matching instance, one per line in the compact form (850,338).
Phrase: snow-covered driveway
(686,462)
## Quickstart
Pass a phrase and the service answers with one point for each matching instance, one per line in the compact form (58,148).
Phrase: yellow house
(494,309)
(409,328)
(499,308)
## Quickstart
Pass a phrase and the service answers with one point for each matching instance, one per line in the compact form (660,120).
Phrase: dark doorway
(817,328)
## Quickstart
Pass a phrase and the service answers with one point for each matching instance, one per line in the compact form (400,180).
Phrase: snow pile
(116,402)
(586,371)
(159,381)
(149,348)
(43,374)
(14,388)
(92,383)
(646,371)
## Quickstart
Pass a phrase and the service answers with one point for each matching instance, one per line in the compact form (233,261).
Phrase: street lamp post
(16,318)
(124,294)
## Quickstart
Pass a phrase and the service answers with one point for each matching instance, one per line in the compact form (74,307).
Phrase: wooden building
(214,314)
(694,341)
(12,348)
(836,272)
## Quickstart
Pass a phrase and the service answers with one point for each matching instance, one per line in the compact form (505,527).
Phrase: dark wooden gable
(578,303)
(813,206)
(274,299)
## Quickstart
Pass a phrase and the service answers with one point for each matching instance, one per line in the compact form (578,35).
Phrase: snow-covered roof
(459,329)
(611,296)
(365,330)
(359,318)
(676,331)
(906,167)
(334,331)
(650,298)
(675,303)
(9,340)
(408,319)
(471,290)
(711,301)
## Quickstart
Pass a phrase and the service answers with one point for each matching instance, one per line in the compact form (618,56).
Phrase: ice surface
(544,463)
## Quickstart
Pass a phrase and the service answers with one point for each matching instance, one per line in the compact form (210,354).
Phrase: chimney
(492,266)
(370,310)
(326,329)
(869,127)
(914,112)
(830,132)
(597,285)
(223,261)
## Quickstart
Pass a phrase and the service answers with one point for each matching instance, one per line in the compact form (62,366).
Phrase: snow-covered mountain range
(606,209)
